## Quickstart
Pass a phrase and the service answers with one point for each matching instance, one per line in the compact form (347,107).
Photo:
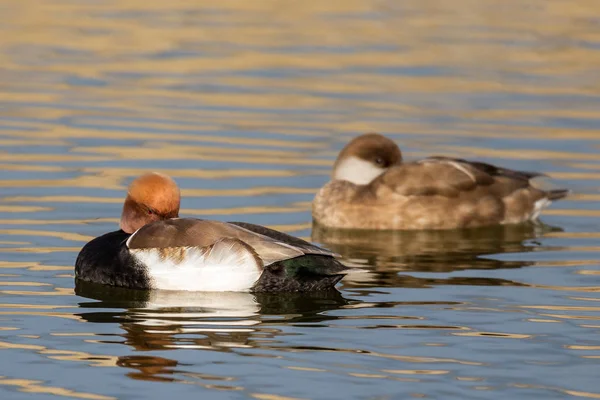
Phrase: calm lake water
(246,104)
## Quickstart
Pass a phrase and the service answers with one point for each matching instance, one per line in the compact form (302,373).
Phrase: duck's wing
(489,169)
(306,247)
(504,181)
(449,177)
(203,234)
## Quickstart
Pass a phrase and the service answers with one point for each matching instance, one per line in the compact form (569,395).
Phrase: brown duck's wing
(489,168)
(191,232)
(449,177)
(306,247)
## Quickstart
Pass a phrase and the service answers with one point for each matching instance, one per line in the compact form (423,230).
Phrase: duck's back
(106,260)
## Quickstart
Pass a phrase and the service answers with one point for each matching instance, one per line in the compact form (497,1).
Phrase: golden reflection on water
(385,254)
(34,266)
(246,104)
(31,386)
(157,320)
(19,209)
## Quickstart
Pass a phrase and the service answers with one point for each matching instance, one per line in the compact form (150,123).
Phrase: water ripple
(246,105)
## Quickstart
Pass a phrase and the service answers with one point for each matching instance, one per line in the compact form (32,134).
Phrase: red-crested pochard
(154,249)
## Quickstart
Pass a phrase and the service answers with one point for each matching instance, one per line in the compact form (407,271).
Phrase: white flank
(538,206)
(357,171)
(221,269)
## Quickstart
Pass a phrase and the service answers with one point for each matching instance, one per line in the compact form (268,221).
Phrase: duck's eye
(150,211)
(379,161)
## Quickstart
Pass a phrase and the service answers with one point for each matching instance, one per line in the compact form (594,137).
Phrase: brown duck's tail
(558,194)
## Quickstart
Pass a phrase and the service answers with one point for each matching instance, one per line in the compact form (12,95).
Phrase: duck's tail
(301,274)
(558,194)
(551,190)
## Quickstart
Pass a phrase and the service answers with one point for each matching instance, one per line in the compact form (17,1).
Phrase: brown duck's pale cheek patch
(357,171)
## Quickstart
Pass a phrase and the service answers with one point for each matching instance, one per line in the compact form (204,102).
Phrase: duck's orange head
(151,197)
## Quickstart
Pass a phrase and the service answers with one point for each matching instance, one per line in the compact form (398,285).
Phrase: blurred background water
(246,104)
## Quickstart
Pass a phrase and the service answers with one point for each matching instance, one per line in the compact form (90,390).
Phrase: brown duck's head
(365,158)
(151,197)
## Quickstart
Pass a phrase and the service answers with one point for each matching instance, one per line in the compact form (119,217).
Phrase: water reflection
(235,323)
(153,319)
(386,253)
(149,368)
(166,320)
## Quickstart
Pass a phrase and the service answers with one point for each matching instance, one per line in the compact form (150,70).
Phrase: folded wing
(270,246)
(449,177)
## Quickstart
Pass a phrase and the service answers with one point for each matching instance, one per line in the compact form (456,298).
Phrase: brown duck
(372,188)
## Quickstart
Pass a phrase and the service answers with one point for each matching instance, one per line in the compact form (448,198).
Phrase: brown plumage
(373,189)
(171,234)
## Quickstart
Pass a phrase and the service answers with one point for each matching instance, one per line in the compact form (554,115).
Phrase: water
(246,105)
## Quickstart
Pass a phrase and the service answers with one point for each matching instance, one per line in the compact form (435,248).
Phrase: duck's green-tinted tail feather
(558,194)
(301,274)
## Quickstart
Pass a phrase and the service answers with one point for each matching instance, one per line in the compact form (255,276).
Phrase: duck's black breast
(107,260)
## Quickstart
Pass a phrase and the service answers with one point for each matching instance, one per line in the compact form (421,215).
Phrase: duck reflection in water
(385,253)
(218,321)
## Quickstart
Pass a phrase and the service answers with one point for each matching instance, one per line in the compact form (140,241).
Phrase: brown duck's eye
(380,161)
(150,211)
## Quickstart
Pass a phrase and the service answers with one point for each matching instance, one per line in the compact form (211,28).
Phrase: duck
(156,249)
(372,188)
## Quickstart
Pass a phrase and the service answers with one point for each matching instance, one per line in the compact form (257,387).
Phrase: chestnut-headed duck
(372,188)
(154,249)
